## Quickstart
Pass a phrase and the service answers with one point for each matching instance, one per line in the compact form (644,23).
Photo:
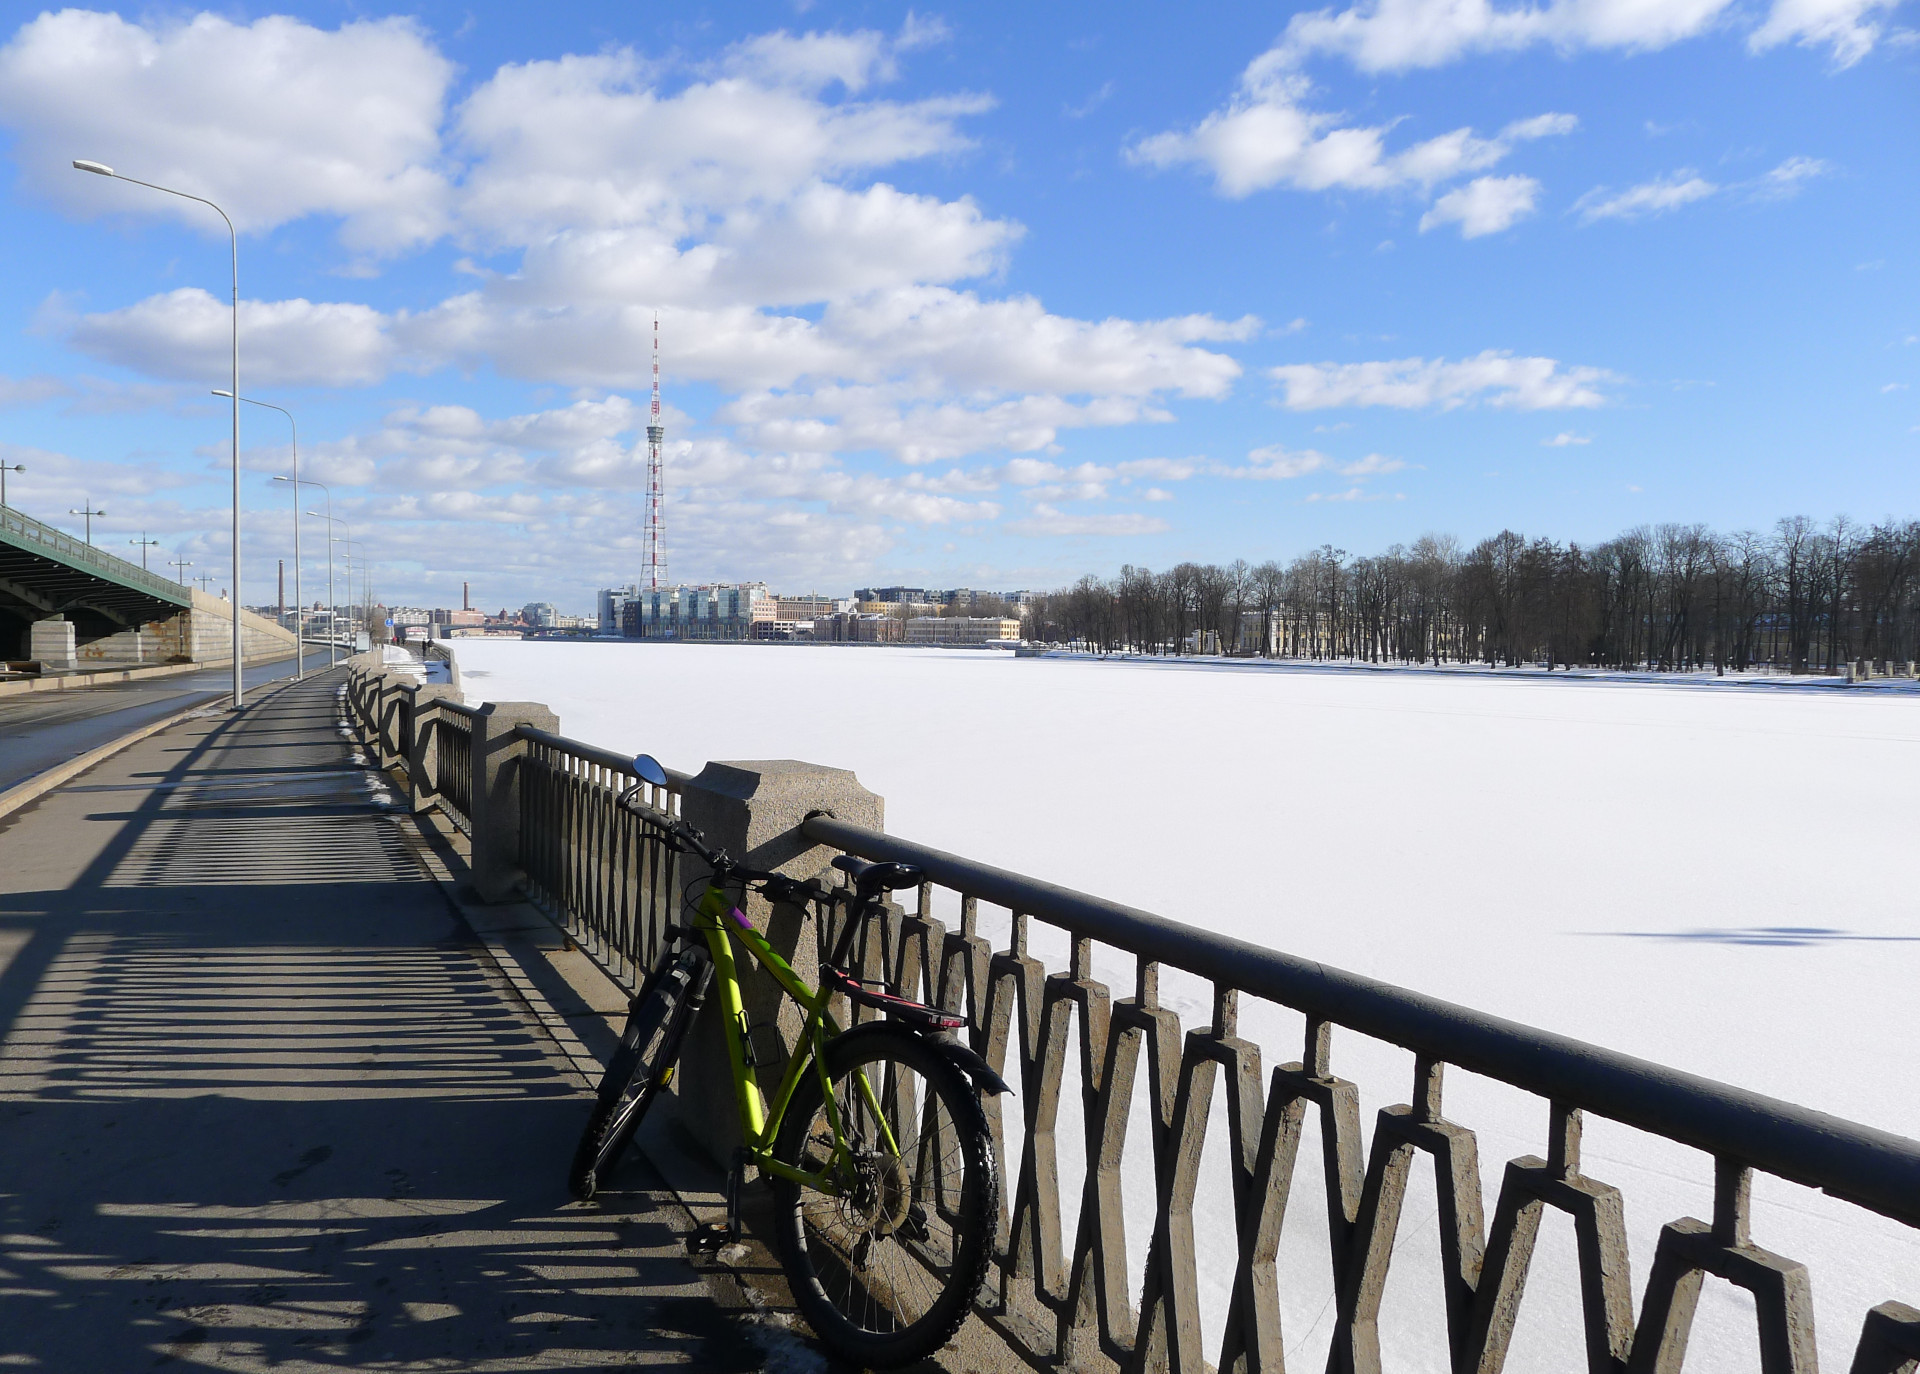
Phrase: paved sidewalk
(265,1104)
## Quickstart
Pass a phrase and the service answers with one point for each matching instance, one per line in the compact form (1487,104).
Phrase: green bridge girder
(46,572)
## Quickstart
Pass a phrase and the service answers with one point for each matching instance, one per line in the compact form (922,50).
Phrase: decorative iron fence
(451,779)
(1073,1300)
(599,870)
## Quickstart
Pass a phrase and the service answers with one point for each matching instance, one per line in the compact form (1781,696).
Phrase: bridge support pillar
(51,642)
(497,752)
(753,811)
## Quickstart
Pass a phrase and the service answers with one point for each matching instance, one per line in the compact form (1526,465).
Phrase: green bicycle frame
(721,923)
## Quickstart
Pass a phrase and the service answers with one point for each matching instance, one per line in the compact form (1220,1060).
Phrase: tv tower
(653,549)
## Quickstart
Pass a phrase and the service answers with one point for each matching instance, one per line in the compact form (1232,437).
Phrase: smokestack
(466,597)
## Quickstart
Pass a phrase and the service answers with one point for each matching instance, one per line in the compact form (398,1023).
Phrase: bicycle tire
(640,1067)
(859,1264)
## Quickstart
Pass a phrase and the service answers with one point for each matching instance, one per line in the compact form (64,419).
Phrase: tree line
(1801,598)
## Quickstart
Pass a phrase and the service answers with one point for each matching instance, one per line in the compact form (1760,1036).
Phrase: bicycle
(879,1158)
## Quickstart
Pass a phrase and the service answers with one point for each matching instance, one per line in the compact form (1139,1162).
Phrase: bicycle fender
(970,1063)
(976,1069)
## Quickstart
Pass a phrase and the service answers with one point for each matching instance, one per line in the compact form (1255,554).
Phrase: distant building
(854,628)
(811,606)
(961,629)
(721,611)
(893,595)
(539,613)
(613,606)
(462,619)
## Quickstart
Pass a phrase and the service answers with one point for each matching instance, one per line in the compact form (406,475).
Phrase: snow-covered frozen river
(1717,879)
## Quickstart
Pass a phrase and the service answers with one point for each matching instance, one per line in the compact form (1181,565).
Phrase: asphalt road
(40,730)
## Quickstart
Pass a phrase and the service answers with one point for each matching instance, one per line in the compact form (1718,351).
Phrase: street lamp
(101,169)
(333,604)
(366,586)
(298,482)
(4,470)
(145,544)
(180,566)
(86,509)
(299,635)
(205,580)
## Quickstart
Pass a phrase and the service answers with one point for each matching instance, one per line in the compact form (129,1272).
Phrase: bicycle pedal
(710,1237)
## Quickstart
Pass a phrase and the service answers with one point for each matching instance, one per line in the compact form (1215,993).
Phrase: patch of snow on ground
(1721,881)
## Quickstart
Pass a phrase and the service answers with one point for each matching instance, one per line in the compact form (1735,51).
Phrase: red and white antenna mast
(654,548)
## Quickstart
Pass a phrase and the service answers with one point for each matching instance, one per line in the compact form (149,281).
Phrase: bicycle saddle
(870,880)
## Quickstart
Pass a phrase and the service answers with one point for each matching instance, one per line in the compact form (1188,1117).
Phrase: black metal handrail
(1872,1168)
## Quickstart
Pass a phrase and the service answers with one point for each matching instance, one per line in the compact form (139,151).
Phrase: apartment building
(719,611)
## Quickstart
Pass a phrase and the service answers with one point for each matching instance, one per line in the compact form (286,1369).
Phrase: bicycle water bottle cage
(870,880)
(916,1014)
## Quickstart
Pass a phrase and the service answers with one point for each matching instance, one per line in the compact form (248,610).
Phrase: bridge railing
(983,941)
(26,532)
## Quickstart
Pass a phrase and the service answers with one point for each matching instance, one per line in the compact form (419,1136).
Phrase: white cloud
(1276,462)
(1656,197)
(1354,494)
(1785,180)
(1493,377)
(1046,520)
(1847,27)
(1266,137)
(26,391)
(1485,205)
(186,335)
(1893,386)
(1398,35)
(272,120)
(583,143)
(1565,438)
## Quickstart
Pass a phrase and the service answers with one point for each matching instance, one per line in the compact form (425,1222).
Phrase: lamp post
(180,566)
(333,604)
(145,544)
(205,580)
(4,470)
(297,482)
(86,509)
(299,635)
(101,169)
(352,543)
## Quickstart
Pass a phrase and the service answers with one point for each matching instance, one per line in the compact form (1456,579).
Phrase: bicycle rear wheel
(886,1272)
(640,1068)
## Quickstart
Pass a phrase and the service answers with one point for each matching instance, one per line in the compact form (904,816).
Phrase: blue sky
(986,296)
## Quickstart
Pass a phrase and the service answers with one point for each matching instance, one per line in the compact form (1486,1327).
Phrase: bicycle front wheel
(640,1067)
(886,1269)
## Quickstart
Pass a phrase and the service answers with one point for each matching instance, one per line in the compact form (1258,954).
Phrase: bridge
(71,606)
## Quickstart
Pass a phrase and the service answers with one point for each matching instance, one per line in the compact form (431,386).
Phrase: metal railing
(25,532)
(1075,1303)
(451,781)
(601,871)
(1069,1298)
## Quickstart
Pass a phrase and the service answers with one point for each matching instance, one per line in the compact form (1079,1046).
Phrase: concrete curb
(44,782)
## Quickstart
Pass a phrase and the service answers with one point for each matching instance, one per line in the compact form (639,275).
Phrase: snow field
(1714,879)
